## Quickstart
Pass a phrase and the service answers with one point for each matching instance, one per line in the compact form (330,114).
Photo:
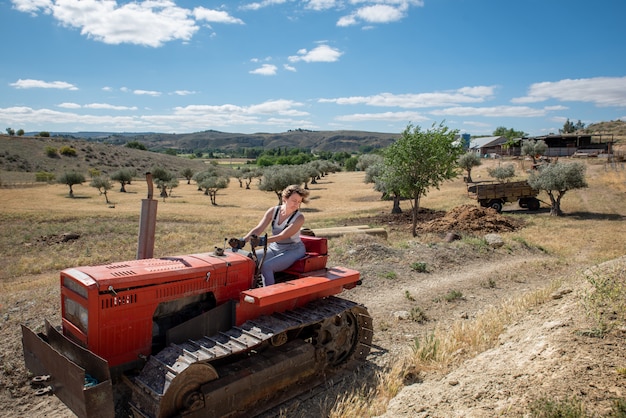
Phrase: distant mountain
(315,141)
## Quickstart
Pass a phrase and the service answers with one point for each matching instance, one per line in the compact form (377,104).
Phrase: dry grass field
(472,379)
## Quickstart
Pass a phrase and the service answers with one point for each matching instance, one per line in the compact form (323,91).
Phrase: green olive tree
(420,160)
(211,184)
(124,177)
(72,178)
(103,184)
(556,179)
(502,172)
(277,177)
(534,149)
(468,161)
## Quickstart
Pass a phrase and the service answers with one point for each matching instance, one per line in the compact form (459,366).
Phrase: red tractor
(191,335)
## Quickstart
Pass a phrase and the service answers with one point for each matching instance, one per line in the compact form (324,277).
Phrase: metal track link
(162,368)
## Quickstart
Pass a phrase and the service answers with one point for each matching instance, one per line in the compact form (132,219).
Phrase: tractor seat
(315,258)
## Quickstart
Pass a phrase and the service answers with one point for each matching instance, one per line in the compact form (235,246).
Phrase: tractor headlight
(76,314)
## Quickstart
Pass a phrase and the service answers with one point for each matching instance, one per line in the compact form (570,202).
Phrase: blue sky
(274,65)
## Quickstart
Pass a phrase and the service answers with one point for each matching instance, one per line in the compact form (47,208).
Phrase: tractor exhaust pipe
(147,223)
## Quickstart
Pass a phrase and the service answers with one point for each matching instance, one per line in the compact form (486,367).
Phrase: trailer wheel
(533,204)
(496,204)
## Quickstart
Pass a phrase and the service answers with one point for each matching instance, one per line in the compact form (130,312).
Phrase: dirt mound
(464,218)
(469,218)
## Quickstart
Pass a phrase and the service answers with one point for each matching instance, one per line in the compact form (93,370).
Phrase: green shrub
(44,176)
(67,151)
(419,267)
(567,408)
(451,296)
(418,315)
(605,302)
(51,152)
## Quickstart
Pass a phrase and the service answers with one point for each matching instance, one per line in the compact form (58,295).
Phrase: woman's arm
(265,221)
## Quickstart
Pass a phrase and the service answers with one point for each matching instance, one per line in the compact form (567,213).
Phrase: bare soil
(550,352)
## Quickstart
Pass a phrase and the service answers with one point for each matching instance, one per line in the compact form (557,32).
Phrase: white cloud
(476,94)
(289,68)
(322,53)
(215,16)
(494,111)
(261,4)
(67,105)
(39,84)
(475,124)
(149,23)
(48,117)
(322,4)
(265,69)
(184,92)
(32,6)
(276,113)
(147,93)
(381,11)
(347,21)
(108,106)
(383,116)
(602,91)
(281,107)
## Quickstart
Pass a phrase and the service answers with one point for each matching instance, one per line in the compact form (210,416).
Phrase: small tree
(313,171)
(71,179)
(570,127)
(556,179)
(420,160)
(212,184)
(534,149)
(211,171)
(162,179)
(124,177)
(468,161)
(276,178)
(374,168)
(250,174)
(366,160)
(10,131)
(20,132)
(103,185)
(502,172)
(171,184)
(508,133)
(188,174)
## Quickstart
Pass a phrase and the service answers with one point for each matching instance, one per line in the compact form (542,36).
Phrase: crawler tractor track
(272,353)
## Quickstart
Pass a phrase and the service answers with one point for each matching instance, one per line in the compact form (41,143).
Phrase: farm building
(488,145)
(562,145)
(566,145)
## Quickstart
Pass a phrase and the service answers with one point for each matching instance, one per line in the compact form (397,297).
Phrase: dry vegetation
(467,301)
